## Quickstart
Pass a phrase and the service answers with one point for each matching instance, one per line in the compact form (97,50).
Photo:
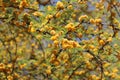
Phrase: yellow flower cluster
(54,37)
(115,70)
(88,64)
(113,74)
(98,20)
(83,17)
(36,13)
(95,21)
(49,17)
(88,56)
(9,77)
(94,77)
(23,3)
(54,60)
(56,43)
(100,5)
(58,15)
(9,65)
(69,44)
(59,5)
(70,27)
(79,72)
(64,57)
(115,21)
(31,28)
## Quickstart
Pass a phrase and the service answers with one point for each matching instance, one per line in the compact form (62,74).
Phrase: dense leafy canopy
(59,40)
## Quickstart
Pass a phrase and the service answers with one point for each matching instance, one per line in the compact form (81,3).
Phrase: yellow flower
(106,64)
(38,36)
(100,5)
(70,27)
(52,32)
(54,37)
(23,4)
(88,55)
(106,73)
(66,46)
(109,39)
(48,71)
(42,29)
(69,44)
(22,66)
(44,65)
(79,35)
(115,70)
(37,13)
(70,7)
(88,64)
(82,1)
(76,72)
(9,65)
(58,15)
(83,17)
(98,20)
(17,39)
(115,21)
(113,75)
(26,14)
(49,8)
(75,44)
(101,42)
(79,72)
(59,5)
(92,21)
(33,44)
(32,29)
(56,42)
(9,77)
(65,57)
(49,17)
(64,41)
(94,77)
(91,47)
(49,45)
